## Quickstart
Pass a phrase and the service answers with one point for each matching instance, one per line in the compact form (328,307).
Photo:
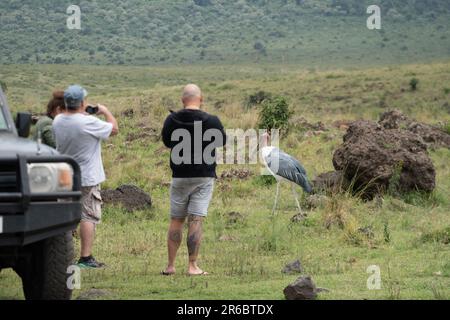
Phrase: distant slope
(142,32)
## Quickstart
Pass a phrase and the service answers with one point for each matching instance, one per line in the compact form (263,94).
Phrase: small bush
(447,90)
(257,98)
(264,181)
(275,114)
(413,84)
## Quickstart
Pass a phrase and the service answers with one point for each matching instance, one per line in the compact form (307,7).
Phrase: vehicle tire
(44,272)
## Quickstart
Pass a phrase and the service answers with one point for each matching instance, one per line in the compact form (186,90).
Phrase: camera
(92,110)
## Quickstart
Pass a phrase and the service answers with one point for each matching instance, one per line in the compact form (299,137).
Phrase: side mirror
(23,124)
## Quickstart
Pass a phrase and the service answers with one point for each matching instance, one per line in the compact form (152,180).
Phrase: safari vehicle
(39,207)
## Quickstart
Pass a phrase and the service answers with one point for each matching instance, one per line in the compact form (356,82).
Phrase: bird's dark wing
(289,168)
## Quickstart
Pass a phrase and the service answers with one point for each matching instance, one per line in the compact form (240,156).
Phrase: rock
(293,268)
(302,289)
(331,182)
(130,197)
(394,119)
(434,137)
(372,157)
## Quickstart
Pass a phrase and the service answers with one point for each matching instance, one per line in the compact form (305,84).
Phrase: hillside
(306,32)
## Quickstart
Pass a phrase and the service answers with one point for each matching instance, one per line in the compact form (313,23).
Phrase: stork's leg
(296,199)
(276,199)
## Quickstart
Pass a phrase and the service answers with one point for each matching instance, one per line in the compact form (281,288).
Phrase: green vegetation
(141,32)
(406,236)
(413,84)
(274,114)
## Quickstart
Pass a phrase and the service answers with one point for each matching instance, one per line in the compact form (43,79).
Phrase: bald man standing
(193,136)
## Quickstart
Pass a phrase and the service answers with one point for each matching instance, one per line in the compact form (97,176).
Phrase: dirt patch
(300,123)
(130,197)
(240,174)
(145,133)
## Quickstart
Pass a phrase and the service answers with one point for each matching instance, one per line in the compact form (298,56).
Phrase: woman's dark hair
(55,102)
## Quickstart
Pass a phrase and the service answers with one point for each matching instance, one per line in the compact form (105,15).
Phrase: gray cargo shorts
(190,196)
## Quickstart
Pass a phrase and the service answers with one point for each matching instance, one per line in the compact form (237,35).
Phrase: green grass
(245,259)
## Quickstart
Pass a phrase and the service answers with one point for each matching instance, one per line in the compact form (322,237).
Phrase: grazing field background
(245,256)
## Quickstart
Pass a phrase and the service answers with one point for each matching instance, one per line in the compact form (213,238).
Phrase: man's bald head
(192,96)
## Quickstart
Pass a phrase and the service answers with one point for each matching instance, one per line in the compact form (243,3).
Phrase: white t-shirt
(80,137)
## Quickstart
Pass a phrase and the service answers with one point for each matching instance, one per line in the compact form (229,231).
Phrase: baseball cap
(74,95)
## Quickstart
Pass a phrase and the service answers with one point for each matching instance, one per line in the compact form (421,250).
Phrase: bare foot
(197,272)
(170,271)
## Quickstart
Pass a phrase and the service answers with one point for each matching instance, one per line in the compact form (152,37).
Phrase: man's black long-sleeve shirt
(193,153)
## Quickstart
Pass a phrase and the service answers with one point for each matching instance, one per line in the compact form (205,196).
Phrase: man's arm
(166,133)
(109,117)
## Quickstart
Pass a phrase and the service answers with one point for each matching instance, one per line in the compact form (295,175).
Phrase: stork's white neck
(266,151)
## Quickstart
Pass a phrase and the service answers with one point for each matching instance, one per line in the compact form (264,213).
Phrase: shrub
(264,181)
(257,98)
(275,114)
(413,84)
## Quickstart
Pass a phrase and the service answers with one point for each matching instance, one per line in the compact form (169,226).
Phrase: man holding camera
(79,134)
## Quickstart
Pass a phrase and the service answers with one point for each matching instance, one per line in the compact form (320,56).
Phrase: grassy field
(245,259)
